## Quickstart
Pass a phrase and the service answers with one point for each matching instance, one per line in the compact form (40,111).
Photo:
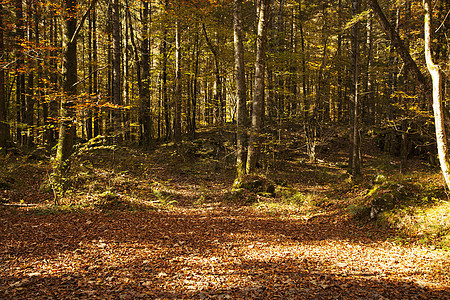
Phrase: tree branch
(399,46)
(80,25)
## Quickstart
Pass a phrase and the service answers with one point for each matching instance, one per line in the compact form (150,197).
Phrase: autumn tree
(4,130)
(263,10)
(67,129)
(241,109)
(437,94)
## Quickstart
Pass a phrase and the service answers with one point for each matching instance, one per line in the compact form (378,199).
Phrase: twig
(19,204)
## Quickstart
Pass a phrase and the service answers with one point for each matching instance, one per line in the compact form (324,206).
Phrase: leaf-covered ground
(220,252)
(166,226)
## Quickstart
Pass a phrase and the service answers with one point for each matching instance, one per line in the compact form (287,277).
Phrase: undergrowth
(107,178)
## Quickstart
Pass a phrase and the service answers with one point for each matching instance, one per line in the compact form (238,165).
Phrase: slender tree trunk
(370,95)
(355,161)
(258,98)
(165,99)
(30,95)
(195,87)
(177,92)
(240,90)
(88,121)
(438,106)
(3,125)
(144,95)
(116,69)
(20,74)
(53,105)
(96,121)
(218,105)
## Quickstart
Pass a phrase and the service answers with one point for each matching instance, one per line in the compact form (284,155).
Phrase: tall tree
(116,68)
(164,58)
(4,130)
(263,10)
(144,81)
(67,127)
(240,90)
(20,72)
(438,105)
(177,92)
(96,125)
(355,157)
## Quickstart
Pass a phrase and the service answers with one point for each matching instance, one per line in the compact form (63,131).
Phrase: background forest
(223,149)
(145,70)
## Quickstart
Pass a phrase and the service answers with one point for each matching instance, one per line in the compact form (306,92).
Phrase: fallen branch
(19,204)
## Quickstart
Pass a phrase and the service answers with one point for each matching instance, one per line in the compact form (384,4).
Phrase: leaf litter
(203,254)
(203,247)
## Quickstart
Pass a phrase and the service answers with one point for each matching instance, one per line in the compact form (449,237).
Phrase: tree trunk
(355,160)
(144,95)
(240,90)
(195,87)
(116,70)
(88,121)
(177,91)
(67,126)
(30,95)
(218,102)
(258,98)
(20,74)
(438,106)
(164,54)
(96,121)
(4,130)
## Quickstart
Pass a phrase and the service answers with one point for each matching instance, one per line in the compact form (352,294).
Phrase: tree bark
(258,98)
(164,54)
(438,106)
(144,95)
(4,130)
(116,69)
(96,121)
(355,157)
(177,91)
(241,90)
(30,91)
(20,74)
(67,126)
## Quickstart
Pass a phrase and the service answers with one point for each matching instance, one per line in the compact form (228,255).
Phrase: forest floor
(166,224)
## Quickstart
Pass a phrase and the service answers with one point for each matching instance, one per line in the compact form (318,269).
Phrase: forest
(224,149)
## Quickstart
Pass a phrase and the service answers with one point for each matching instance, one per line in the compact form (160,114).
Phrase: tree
(67,129)
(177,92)
(400,47)
(263,9)
(240,90)
(67,126)
(437,93)
(355,157)
(143,70)
(116,68)
(4,130)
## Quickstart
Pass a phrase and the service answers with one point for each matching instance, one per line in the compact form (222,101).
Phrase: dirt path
(209,253)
